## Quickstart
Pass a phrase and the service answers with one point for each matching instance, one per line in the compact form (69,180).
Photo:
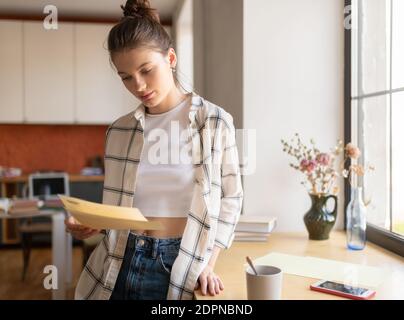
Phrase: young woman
(190,182)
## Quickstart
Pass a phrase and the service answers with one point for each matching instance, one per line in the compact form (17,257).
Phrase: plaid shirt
(215,206)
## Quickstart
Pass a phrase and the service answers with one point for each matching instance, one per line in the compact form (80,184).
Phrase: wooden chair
(27,229)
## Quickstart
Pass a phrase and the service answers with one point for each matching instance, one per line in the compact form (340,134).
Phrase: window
(374,104)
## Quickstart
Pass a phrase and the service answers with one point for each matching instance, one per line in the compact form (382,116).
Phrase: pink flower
(304,163)
(312,166)
(308,165)
(323,159)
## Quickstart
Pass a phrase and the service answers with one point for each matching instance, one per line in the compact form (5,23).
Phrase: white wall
(277,67)
(218,54)
(293,82)
(183,37)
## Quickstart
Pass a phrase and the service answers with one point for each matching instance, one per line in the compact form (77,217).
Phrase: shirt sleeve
(232,192)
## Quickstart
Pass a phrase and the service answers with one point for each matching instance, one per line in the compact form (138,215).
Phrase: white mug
(267,285)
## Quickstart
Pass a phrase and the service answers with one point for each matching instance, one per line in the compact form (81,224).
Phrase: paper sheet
(324,269)
(101,216)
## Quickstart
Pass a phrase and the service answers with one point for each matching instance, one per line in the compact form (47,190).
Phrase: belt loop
(131,240)
(155,245)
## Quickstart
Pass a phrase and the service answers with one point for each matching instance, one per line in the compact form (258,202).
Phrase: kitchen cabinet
(11,74)
(59,76)
(100,95)
(48,73)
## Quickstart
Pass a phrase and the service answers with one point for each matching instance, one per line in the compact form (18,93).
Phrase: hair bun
(139,9)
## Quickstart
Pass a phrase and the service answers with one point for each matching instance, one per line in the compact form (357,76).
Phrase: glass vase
(356,220)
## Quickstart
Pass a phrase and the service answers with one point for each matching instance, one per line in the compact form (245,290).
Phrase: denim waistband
(155,245)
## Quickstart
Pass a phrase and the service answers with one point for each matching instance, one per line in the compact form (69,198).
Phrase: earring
(173,69)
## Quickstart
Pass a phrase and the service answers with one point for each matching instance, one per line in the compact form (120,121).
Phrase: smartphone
(342,290)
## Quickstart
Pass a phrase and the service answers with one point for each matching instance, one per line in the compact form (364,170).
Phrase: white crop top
(165,178)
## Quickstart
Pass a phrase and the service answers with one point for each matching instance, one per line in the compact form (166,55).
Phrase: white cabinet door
(49,73)
(100,93)
(11,72)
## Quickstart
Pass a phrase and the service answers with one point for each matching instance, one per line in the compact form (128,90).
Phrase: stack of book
(254,228)
(52,203)
(91,171)
(9,172)
(15,207)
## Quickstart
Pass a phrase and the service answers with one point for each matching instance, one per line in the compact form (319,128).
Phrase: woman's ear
(172,58)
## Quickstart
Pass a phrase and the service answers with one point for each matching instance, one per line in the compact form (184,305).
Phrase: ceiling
(102,9)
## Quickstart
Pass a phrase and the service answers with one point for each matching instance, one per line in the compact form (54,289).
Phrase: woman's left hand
(209,281)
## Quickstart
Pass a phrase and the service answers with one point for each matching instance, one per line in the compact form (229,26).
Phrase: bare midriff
(173,227)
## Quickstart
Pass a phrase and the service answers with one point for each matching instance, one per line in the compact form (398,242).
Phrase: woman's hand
(79,231)
(209,281)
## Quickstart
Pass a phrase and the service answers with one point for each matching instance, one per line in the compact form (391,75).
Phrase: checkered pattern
(215,206)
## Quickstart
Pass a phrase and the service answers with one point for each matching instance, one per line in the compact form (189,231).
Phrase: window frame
(379,236)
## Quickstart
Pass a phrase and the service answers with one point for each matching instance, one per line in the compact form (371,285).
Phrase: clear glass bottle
(356,221)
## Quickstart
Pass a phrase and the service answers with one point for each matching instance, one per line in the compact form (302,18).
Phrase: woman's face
(146,73)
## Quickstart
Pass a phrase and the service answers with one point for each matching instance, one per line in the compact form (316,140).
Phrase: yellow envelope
(101,216)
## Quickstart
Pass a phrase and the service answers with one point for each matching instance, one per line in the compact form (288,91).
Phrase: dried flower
(352,151)
(360,170)
(323,159)
(308,165)
(354,170)
(318,167)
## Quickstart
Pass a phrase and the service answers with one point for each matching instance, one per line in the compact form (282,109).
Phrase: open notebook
(101,216)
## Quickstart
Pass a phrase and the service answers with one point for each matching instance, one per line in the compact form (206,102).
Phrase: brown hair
(139,27)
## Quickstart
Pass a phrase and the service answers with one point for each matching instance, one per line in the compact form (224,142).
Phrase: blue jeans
(146,268)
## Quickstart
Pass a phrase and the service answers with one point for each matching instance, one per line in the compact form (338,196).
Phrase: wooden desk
(13,186)
(229,266)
